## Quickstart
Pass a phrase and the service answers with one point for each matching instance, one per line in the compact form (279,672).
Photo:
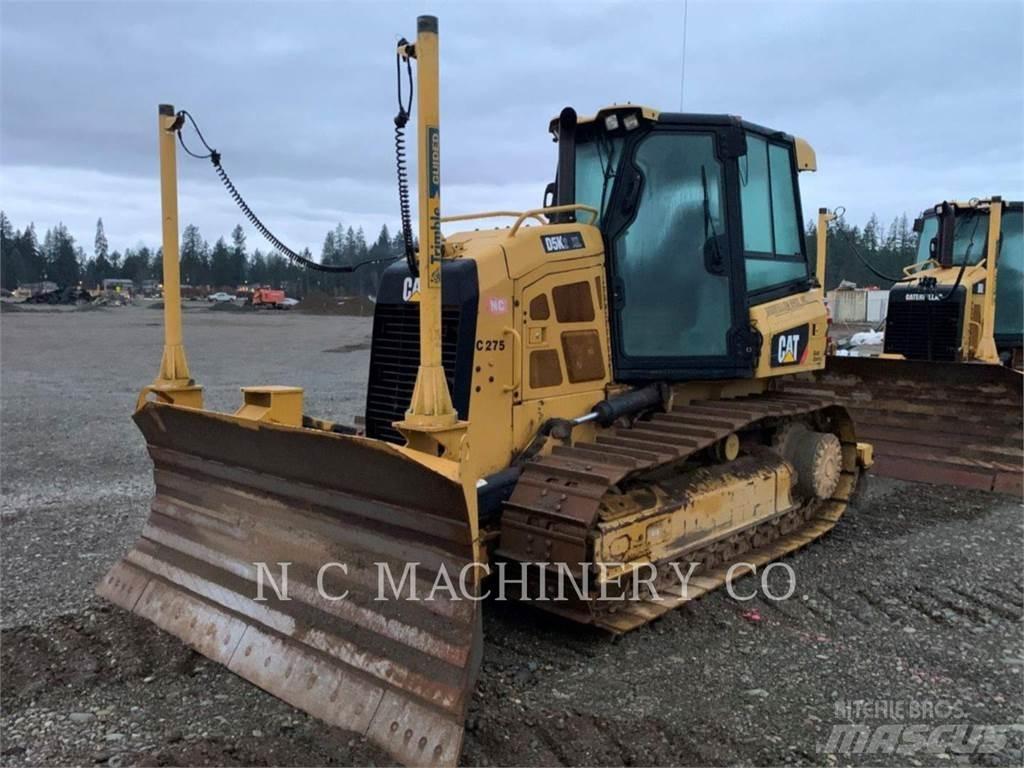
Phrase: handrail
(912,269)
(535,213)
(517,359)
(489,215)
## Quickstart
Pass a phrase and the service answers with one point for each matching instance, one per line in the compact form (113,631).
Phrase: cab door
(678,292)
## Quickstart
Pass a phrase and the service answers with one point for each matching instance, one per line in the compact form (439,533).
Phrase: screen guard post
(431,422)
(173,383)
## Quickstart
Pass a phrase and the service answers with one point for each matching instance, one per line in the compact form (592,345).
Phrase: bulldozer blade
(337,510)
(946,423)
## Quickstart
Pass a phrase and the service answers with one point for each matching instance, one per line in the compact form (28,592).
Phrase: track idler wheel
(817,458)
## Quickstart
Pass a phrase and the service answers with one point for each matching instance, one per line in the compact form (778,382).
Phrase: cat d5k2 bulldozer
(590,388)
(943,402)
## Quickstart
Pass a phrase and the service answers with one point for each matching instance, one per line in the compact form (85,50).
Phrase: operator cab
(969,242)
(701,220)
(952,239)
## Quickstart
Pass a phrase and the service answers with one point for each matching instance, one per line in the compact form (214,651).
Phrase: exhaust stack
(824,217)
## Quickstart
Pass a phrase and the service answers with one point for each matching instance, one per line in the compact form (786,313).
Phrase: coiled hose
(401,120)
(214,157)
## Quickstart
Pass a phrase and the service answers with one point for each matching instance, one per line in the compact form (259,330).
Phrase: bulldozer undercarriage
(658,493)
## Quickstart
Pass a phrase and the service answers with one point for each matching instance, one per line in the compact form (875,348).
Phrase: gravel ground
(907,614)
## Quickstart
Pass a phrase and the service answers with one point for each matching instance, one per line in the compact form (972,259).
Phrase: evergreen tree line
(225,265)
(888,250)
(228,263)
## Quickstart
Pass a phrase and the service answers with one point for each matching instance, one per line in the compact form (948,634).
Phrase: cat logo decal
(790,347)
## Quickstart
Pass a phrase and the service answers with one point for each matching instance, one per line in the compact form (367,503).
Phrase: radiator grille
(394,360)
(924,330)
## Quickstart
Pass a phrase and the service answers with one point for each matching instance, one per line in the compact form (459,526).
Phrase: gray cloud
(905,103)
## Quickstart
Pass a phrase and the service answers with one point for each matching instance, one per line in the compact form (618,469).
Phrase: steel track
(554,512)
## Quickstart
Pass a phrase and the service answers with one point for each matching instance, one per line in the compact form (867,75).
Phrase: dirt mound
(318,303)
(358,346)
(140,697)
(231,306)
(80,651)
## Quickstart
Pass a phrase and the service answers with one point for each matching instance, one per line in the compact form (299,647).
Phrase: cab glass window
(970,237)
(1010,277)
(771,222)
(596,163)
(929,230)
(673,304)
(755,198)
(784,217)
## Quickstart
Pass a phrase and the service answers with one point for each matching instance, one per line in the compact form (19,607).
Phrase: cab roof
(806,158)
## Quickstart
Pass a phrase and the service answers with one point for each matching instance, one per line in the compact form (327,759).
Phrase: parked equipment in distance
(268,298)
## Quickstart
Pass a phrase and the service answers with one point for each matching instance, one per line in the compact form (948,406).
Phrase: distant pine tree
(10,256)
(239,260)
(63,265)
(195,266)
(221,265)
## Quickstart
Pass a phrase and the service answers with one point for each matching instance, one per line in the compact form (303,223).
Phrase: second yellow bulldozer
(943,402)
(590,388)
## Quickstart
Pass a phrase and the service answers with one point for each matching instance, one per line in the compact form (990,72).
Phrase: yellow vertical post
(173,382)
(824,217)
(429,153)
(987,351)
(431,418)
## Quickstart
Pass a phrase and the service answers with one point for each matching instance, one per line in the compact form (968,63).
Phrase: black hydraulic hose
(401,120)
(214,157)
(860,256)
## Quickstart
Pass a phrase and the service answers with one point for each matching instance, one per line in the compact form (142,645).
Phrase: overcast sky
(906,103)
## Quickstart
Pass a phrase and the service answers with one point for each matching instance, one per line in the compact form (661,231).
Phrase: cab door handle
(618,293)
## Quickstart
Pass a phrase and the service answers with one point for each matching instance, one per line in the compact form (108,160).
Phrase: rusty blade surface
(231,494)
(947,423)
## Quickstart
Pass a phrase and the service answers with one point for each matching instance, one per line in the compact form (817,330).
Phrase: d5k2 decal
(790,347)
(567,241)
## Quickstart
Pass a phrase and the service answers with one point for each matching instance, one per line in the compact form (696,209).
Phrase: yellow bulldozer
(589,392)
(943,402)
